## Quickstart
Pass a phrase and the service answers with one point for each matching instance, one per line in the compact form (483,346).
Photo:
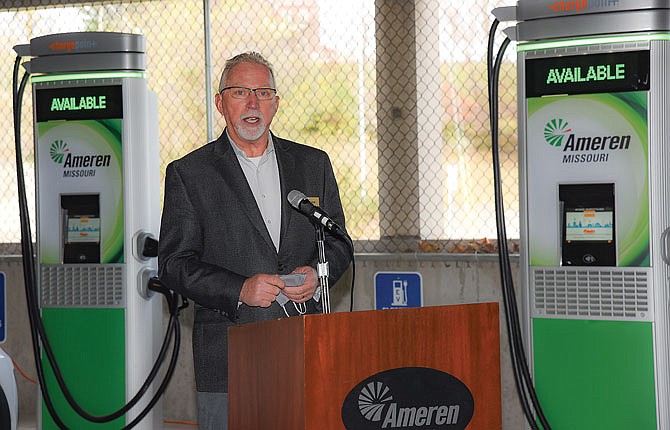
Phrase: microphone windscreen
(295,197)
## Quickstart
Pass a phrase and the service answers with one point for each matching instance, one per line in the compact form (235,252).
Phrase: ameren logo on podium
(408,398)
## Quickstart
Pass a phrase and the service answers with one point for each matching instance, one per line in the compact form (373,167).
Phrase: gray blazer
(213,237)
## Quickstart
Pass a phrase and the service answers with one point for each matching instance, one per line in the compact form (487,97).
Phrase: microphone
(317,215)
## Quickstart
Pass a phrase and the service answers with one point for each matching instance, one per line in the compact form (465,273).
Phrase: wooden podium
(298,373)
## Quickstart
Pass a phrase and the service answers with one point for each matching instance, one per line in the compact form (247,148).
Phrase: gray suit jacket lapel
(232,173)
(286,163)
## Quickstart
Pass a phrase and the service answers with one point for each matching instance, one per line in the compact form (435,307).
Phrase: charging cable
(524,383)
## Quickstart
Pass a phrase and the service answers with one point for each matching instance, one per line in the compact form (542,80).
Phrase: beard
(248,131)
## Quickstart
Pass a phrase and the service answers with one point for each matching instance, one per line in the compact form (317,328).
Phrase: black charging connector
(154,284)
(150,248)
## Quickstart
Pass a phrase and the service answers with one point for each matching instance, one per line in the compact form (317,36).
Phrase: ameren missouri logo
(408,398)
(75,165)
(583,148)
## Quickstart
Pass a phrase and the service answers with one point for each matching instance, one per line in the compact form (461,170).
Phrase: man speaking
(228,232)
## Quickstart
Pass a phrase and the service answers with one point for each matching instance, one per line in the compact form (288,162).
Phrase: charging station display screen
(589,224)
(588,74)
(83,229)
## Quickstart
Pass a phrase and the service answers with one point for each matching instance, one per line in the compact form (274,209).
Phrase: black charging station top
(541,20)
(84,51)
(533,9)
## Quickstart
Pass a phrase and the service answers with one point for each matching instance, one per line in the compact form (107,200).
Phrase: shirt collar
(269,150)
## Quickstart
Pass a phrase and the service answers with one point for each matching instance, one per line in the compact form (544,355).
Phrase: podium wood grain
(294,373)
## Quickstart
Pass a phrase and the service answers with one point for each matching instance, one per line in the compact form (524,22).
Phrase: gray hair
(246,57)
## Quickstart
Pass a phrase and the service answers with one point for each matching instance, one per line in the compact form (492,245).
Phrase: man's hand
(304,292)
(261,290)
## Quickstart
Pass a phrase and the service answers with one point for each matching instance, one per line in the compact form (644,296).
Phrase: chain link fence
(394,90)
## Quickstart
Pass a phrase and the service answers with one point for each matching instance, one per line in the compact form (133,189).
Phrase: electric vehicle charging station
(594,160)
(97,168)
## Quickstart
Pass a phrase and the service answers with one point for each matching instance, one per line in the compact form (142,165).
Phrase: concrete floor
(30,425)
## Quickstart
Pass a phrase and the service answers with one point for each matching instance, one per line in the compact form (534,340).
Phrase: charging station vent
(591,293)
(85,285)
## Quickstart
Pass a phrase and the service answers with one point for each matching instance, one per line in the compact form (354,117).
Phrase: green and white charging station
(594,157)
(97,169)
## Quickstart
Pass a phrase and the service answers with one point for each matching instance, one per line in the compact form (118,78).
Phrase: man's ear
(218,101)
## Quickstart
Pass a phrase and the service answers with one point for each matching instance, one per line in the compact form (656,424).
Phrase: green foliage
(322,99)
(469,122)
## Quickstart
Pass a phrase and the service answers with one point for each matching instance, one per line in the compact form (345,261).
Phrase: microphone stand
(322,268)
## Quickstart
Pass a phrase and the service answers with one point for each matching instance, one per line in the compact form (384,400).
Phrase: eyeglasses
(244,92)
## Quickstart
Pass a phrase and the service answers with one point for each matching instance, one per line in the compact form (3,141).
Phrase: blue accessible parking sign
(397,290)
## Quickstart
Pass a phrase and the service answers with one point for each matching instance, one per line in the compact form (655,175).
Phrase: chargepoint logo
(581,5)
(72,45)
(583,148)
(564,6)
(76,165)
(408,398)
